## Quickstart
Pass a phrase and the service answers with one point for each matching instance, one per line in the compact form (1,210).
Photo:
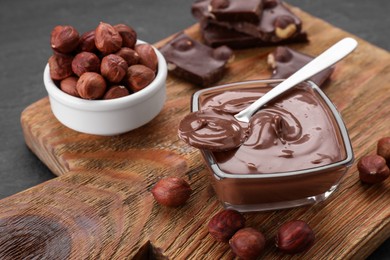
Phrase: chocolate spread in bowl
(296,131)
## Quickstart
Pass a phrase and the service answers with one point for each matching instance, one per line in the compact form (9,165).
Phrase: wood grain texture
(100,206)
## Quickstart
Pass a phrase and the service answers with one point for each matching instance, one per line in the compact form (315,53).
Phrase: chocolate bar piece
(236,10)
(285,61)
(194,61)
(215,36)
(277,22)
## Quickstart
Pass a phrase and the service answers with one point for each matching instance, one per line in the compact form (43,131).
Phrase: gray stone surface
(24,32)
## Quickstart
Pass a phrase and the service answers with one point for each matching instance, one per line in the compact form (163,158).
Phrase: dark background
(25,28)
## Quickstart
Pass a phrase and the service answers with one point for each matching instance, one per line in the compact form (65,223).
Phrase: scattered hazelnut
(85,62)
(87,42)
(60,66)
(113,68)
(68,85)
(383,149)
(128,34)
(224,224)
(116,92)
(218,4)
(107,39)
(147,56)
(294,237)
(129,55)
(64,39)
(139,76)
(91,85)
(171,191)
(285,26)
(247,243)
(373,169)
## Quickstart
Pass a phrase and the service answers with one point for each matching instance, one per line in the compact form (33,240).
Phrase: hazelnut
(171,192)
(113,68)
(373,169)
(60,66)
(383,149)
(294,237)
(107,39)
(64,39)
(223,53)
(183,44)
(218,4)
(68,85)
(224,224)
(129,55)
(116,92)
(147,56)
(285,27)
(247,243)
(281,54)
(139,76)
(87,42)
(91,85)
(85,62)
(128,34)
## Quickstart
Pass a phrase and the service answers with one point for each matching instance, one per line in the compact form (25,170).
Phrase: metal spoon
(323,61)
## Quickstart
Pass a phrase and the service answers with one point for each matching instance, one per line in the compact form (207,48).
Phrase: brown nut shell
(171,192)
(247,243)
(147,56)
(224,224)
(373,169)
(64,39)
(91,85)
(116,92)
(113,68)
(129,55)
(85,62)
(87,42)
(139,76)
(128,34)
(294,237)
(383,149)
(60,66)
(107,38)
(68,85)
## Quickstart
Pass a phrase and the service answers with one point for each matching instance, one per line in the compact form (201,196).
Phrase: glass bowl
(287,173)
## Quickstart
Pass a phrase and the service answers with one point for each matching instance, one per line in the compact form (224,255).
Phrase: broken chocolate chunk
(285,61)
(194,61)
(215,36)
(276,22)
(236,10)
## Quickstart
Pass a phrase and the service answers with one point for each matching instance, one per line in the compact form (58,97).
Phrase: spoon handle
(323,61)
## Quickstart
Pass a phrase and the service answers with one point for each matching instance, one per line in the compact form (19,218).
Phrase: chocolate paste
(296,131)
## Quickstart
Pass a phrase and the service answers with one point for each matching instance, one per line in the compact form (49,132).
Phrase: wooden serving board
(100,206)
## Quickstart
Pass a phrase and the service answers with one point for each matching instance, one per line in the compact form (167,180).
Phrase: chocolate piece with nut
(284,62)
(194,61)
(236,10)
(276,22)
(215,36)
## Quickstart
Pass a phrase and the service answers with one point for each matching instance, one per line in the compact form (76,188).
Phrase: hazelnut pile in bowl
(105,81)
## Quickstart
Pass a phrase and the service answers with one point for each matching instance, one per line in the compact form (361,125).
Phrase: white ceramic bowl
(109,117)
